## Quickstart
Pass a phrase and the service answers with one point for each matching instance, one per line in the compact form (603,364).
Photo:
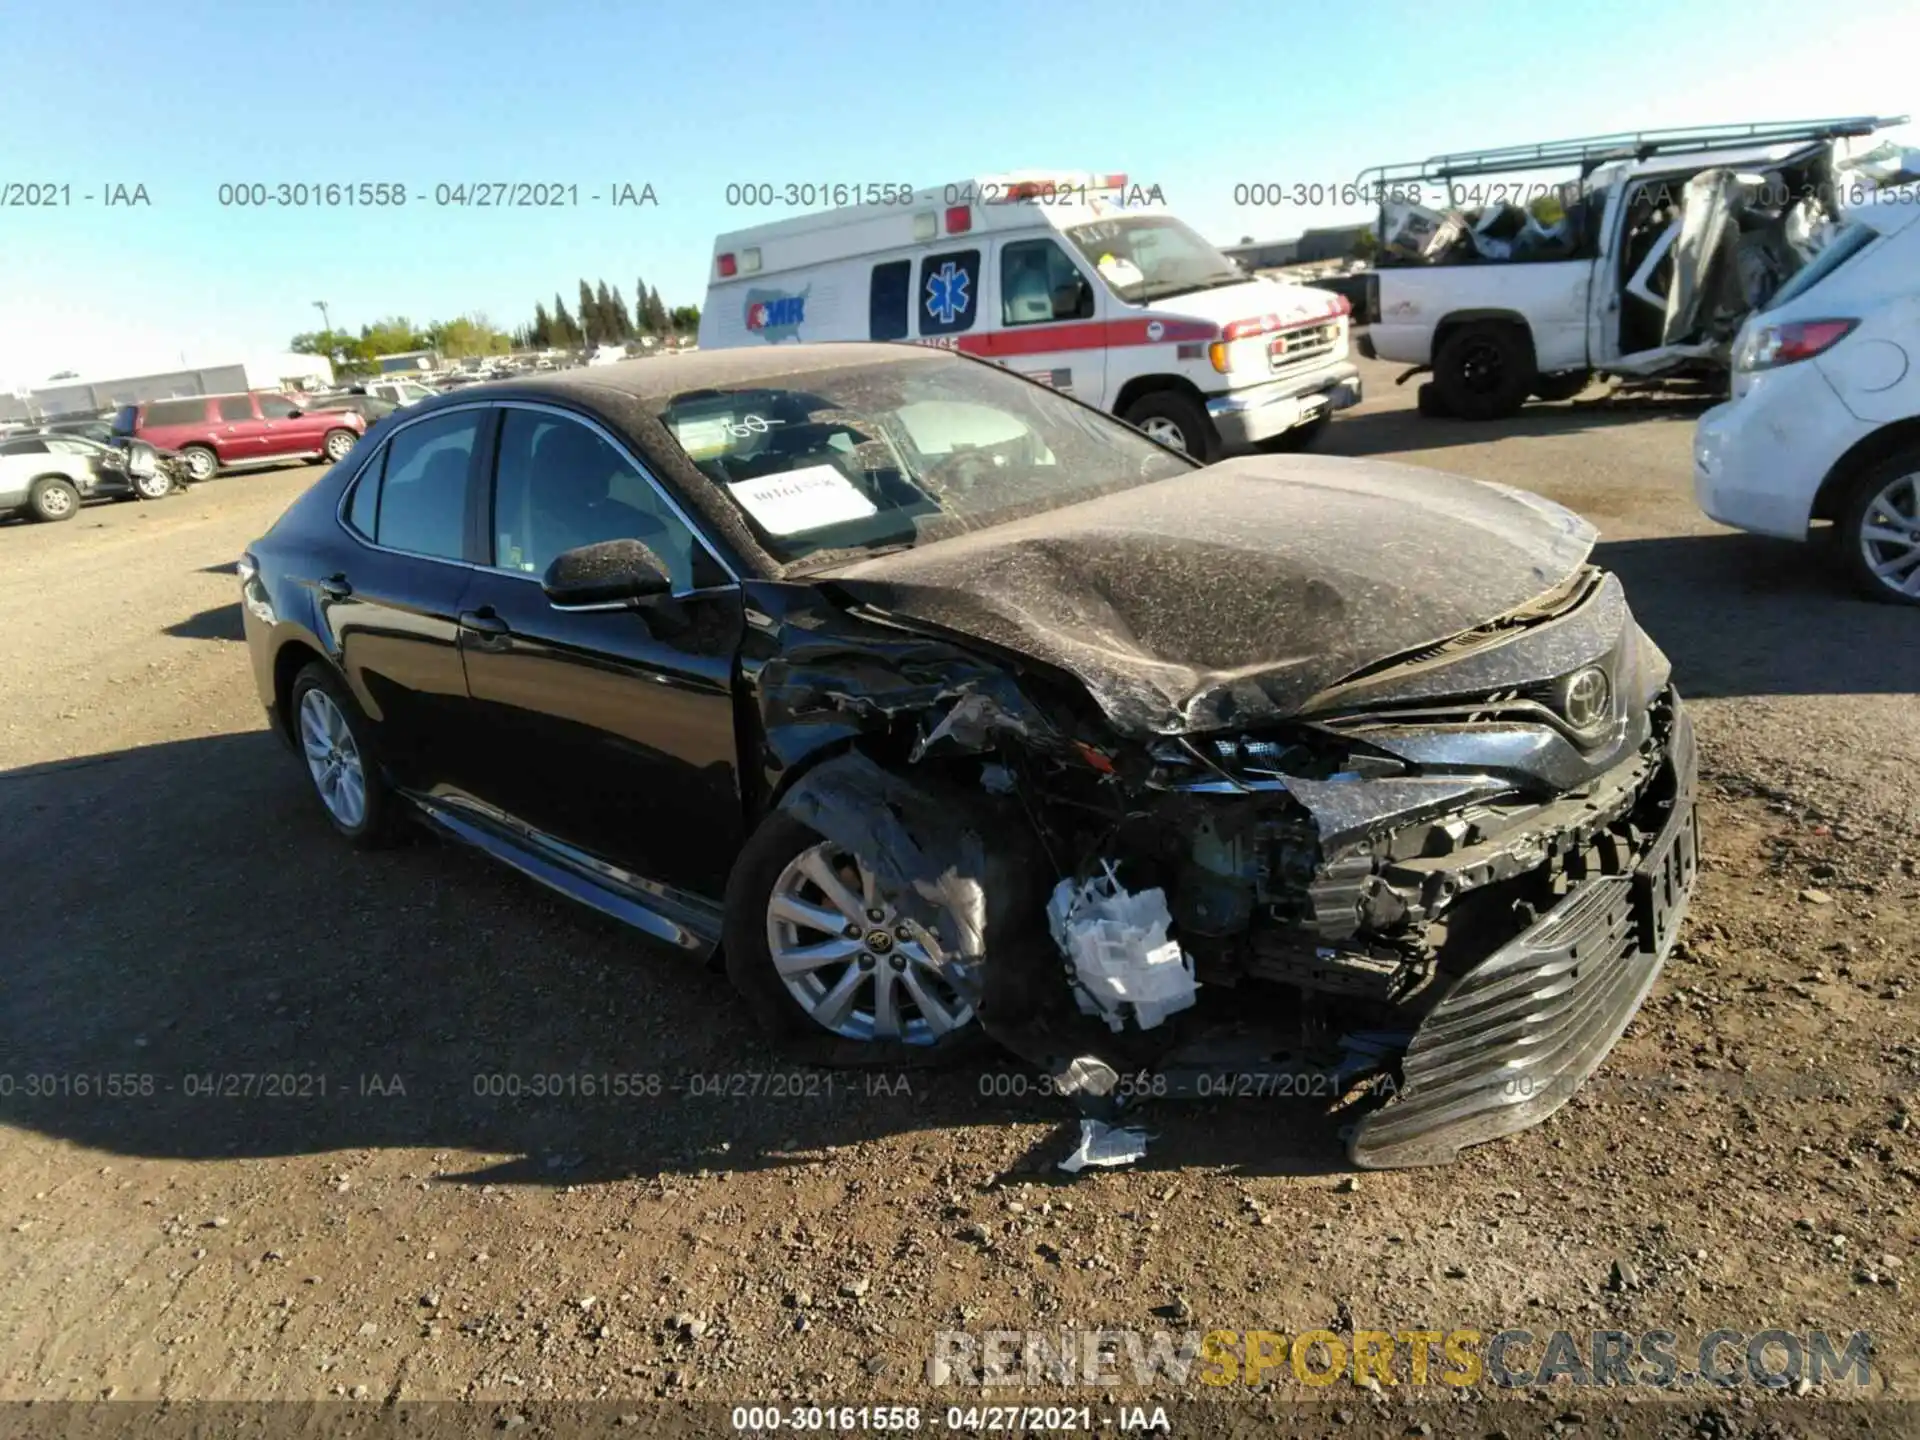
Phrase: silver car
(48,476)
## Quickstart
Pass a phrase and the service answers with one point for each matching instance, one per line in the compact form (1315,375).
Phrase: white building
(88,395)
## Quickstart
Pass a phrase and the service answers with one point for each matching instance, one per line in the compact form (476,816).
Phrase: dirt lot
(381,1227)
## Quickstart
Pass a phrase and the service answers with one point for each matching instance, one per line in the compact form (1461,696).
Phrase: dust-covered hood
(1235,594)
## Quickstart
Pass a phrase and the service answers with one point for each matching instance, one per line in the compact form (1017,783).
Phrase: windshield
(1848,241)
(876,457)
(1148,257)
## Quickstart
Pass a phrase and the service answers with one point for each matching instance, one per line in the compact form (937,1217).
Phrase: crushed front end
(1434,892)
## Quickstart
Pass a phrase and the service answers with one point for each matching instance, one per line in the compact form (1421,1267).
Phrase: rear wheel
(1178,422)
(1484,371)
(201,462)
(1880,529)
(53,498)
(337,444)
(829,965)
(336,742)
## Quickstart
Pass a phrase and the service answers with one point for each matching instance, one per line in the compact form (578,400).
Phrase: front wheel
(336,445)
(829,964)
(156,486)
(1880,529)
(53,498)
(201,462)
(1178,422)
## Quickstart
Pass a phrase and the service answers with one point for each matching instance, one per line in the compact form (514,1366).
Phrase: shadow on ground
(263,990)
(1391,433)
(220,622)
(1745,615)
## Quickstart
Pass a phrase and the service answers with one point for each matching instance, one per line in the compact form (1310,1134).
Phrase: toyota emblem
(1588,698)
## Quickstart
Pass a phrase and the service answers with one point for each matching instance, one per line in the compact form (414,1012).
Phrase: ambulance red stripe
(1082,335)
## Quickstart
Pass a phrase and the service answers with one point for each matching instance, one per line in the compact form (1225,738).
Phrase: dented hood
(1235,594)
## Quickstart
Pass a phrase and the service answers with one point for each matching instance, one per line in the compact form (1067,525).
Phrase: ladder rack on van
(1592,151)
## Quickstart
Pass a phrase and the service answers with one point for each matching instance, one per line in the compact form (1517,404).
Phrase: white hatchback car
(1824,423)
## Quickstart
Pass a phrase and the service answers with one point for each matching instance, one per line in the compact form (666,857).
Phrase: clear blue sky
(689,97)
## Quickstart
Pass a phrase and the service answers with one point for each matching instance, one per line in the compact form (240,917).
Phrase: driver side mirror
(612,572)
(1073,301)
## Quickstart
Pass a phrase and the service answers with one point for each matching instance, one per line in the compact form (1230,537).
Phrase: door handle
(335,587)
(483,621)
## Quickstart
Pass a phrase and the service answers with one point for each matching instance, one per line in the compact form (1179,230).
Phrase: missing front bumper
(1515,1036)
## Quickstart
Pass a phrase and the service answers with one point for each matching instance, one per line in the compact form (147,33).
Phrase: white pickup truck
(1644,265)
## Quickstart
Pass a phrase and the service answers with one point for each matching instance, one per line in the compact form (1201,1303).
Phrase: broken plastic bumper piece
(1516,1035)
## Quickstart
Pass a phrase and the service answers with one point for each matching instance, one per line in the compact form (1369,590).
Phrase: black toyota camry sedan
(944,708)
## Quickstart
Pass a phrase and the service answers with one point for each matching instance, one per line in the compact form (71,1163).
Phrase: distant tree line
(600,317)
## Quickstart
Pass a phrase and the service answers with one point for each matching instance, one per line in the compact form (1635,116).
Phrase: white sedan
(1824,423)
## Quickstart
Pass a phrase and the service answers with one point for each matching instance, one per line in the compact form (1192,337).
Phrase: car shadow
(1745,615)
(1401,430)
(226,978)
(220,622)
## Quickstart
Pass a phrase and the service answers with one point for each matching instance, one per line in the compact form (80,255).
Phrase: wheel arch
(1456,320)
(1830,498)
(1143,385)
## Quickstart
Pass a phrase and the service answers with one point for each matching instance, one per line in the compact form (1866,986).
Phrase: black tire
(1485,371)
(1428,402)
(201,462)
(344,440)
(1563,386)
(1183,413)
(749,964)
(1861,496)
(1299,438)
(384,822)
(51,498)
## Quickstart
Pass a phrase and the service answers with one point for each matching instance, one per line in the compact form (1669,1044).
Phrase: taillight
(727,266)
(1768,347)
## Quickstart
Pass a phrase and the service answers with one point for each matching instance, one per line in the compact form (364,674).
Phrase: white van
(1073,279)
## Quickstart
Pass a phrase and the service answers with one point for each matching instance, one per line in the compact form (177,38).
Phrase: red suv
(212,432)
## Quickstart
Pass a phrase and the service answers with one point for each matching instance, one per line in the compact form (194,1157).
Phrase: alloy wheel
(853,962)
(333,758)
(56,501)
(152,487)
(200,464)
(1482,367)
(1165,431)
(338,444)
(1890,535)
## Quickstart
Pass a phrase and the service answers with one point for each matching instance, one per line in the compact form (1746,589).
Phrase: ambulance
(1076,280)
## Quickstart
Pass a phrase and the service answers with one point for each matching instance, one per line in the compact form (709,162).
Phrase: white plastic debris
(1105,1145)
(1124,964)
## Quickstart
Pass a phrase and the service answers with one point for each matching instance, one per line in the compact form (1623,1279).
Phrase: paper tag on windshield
(796,501)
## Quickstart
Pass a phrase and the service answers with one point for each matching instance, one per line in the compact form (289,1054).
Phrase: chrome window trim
(346,497)
(626,453)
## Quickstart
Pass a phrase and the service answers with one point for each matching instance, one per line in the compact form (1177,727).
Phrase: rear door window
(235,408)
(177,412)
(949,292)
(423,490)
(887,301)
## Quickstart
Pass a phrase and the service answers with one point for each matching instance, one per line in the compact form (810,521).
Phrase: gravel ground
(370,1223)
